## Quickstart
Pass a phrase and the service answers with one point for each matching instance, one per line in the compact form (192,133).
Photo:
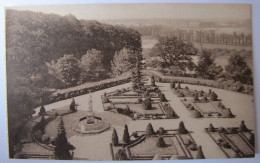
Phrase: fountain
(91,123)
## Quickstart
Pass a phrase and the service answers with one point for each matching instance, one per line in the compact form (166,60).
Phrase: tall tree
(207,67)
(238,70)
(61,150)
(176,53)
(114,137)
(137,83)
(126,137)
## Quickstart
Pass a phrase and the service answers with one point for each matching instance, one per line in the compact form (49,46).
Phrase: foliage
(176,53)
(160,142)
(137,83)
(238,70)
(73,105)
(147,104)
(42,110)
(67,69)
(114,137)
(172,84)
(126,137)
(61,150)
(207,67)
(149,129)
(163,98)
(182,129)
(120,155)
(213,96)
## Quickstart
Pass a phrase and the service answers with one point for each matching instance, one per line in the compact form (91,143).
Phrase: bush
(169,112)
(160,142)
(196,97)
(179,86)
(213,96)
(127,110)
(204,99)
(121,155)
(242,127)
(149,129)
(182,129)
(172,84)
(105,100)
(196,114)
(42,110)
(114,138)
(139,100)
(163,98)
(181,94)
(187,141)
(107,107)
(225,145)
(161,131)
(147,104)
(193,147)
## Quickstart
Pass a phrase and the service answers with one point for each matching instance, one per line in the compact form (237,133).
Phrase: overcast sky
(144,11)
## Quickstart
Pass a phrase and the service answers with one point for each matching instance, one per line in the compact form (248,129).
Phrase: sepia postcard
(130,81)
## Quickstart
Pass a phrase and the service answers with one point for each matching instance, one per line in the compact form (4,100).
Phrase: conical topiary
(172,84)
(204,99)
(182,129)
(196,114)
(161,130)
(126,137)
(163,98)
(213,96)
(179,85)
(242,127)
(196,97)
(114,137)
(42,110)
(229,114)
(73,105)
(200,154)
(127,110)
(160,142)
(149,129)
(211,128)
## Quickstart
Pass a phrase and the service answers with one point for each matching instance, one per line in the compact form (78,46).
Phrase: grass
(206,107)
(148,147)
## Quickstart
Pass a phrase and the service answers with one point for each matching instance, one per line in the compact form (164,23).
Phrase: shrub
(221,130)
(172,84)
(73,105)
(187,141)
(204,99)
(149,129)
(196,97)
(161,130)
(160,142)
(182,129)
(163,98)
(126,137)
(211,128)
(42,110)
(117,92)
(114,138)
(169,112)
(184,99)
(200,154)
(229,114)
(147,104)
(139,100)
(242,127)
(181,94)
(196,114)
(186,88)
(105,100)
(179,86)
(121,155)
(213,96)
(225,145)
(252,139)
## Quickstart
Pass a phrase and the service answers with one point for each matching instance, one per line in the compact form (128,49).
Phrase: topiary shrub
(196,97)
(182,129)
(196,114)
(188,105)
(160,142)
(147,104)
(200,154)
(121,155)
(172,84)
(252,139)
(187,88)
(180,94)
(163,98)
(105,100)
(187,141)
(211,128)
(184,99)
(213,96)
(149,129)
(114,138)
(117,92)
(179,86)
(229,114)
(161,131)
(42,110)
(225,145)
(139,100)
(221,130)
(191,107)
(73,105)
(242,127)
(204,99)
(126,137)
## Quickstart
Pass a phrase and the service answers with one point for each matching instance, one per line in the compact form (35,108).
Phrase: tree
(163,98)
(67,69)
(114,138)
(238,70)
(207,67)
(61,150)
(126,137)
(176,53)
(137,83)
(160,142)
(123,61)
(182,129)
(149,129)
(42,110)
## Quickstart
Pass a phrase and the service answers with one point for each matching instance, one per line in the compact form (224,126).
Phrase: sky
(148,11)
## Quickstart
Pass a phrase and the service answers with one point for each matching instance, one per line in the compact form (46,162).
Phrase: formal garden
(150,103)
(200,103)
(175,144)
(235,142)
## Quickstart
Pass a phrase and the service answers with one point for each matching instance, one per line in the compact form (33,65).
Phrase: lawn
(148,147)
(205,107)
(156,109)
